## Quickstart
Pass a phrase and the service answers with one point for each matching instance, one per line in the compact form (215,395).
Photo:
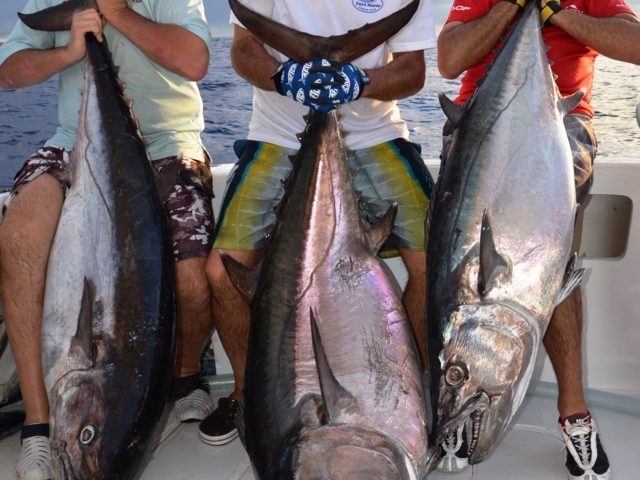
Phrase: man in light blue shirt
(162,49)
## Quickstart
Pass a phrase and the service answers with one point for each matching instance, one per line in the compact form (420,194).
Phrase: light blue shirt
(167,106)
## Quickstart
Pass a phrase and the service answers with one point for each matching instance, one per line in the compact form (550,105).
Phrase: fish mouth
(471,414)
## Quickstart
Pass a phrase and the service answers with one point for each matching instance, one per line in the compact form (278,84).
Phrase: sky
(217,14)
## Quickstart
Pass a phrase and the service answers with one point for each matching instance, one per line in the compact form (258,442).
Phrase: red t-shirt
(571,61)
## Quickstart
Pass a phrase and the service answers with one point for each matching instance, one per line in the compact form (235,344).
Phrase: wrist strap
(549,10)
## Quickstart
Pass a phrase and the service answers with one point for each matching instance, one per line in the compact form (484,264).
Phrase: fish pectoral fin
(453,111)
(492,264)
(572,278)
(242,277)
(82,341)
(568,103)
(335,397)
(379,232)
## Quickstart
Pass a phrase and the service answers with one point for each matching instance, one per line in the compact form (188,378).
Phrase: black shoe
(455,452)
(219,428)
(586,459)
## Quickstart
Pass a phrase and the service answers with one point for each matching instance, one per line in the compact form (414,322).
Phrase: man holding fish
(576,32)
(387,166)
(162,49)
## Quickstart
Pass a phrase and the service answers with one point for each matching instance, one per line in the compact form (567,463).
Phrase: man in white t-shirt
(388,166)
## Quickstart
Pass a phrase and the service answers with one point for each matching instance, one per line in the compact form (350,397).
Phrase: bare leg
(414,297)
(194,315)
(26,235)
(563,341)
(231,314)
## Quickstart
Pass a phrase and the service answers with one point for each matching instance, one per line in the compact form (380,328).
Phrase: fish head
(77,427)
(347,451)
(485,370)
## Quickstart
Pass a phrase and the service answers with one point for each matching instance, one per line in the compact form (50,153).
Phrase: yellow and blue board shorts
(390,172)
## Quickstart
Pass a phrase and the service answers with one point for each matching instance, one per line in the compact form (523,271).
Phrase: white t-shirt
(277,119)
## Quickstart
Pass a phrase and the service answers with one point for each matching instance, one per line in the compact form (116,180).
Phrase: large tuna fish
(109,309)
(332,387)
(500,240)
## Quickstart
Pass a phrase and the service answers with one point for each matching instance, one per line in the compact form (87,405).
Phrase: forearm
(615,37)
(251,60)
(402,77)
(29,67)
(171,46)
(466,44)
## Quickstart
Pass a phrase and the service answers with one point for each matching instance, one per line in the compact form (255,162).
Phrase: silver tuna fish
(499,244)
(332,388)
(109,308)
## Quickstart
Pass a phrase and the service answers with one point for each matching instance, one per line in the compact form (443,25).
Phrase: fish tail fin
(302,47)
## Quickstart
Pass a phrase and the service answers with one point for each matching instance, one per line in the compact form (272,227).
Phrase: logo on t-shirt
(368,6)
(460,8)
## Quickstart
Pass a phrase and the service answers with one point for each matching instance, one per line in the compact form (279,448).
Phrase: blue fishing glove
(548,8)
(347,86)
(306,82)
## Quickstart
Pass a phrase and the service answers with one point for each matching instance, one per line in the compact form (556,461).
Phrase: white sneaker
(586,459)
(193,407)
(34,462)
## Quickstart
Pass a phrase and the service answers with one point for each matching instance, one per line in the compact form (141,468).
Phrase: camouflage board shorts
(390,172)
(186,195)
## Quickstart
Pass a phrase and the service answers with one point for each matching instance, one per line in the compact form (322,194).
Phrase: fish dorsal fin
(379,232)
(82,341)
(242,277)
(453,111)
(572,278)
(336,398)
(492,264)
(568,103)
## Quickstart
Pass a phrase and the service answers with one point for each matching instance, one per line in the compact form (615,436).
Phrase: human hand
(549,8)
(82,23)
(519,3)
(350,82)
(306,83)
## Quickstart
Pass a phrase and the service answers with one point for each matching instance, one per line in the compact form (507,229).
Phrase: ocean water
(28,116)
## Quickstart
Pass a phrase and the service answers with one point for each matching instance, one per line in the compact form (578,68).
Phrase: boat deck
(531,449)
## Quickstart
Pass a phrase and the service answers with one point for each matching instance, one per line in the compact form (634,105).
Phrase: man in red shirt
(576,32)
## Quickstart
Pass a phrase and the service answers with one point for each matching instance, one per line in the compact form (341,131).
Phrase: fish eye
(87,434)
(455,375)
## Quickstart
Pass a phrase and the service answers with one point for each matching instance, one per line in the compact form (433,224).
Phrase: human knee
(416,264)
(192,288)
(215,271)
